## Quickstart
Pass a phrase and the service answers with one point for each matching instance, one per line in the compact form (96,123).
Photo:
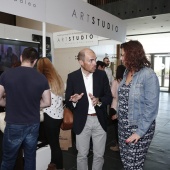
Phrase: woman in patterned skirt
(138,100)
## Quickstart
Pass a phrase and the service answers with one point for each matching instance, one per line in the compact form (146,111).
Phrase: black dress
(132,155)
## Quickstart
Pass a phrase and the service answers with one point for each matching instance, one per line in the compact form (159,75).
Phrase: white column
(44,39)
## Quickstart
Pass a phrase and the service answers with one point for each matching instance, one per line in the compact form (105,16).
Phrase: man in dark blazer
(88,94)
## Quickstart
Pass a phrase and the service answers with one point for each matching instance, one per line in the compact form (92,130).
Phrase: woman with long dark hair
(138,100)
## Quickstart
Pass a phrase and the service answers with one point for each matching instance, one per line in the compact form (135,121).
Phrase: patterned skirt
(132,155)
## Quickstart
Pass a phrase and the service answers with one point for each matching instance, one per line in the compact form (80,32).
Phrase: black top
(24,87)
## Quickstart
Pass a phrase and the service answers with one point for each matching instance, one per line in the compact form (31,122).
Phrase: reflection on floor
(164,89)
(158,157)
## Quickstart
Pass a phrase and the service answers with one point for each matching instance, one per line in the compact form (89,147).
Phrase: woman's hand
(133,138)
(114,117)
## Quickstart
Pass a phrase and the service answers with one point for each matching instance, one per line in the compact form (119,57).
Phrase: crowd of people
(132,97)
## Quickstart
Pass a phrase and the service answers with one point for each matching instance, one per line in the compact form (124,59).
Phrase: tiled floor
(158,157)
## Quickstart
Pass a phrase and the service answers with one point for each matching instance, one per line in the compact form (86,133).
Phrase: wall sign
(74,14)
(73,38)
(82,16)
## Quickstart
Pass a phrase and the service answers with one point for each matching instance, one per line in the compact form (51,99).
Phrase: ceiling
(156,27)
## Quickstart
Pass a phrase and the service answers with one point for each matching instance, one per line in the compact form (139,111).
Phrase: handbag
(67,123)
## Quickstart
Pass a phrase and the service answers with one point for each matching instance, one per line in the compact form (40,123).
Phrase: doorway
(161,65)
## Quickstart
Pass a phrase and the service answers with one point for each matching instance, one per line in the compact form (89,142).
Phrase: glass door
(162,69)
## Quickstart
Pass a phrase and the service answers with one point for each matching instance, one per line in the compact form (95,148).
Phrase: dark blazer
(101,89)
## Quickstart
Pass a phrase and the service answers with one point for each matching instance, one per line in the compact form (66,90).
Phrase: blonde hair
(55,81)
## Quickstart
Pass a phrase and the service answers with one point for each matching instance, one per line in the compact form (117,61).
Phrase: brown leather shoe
(115,148)
(51,166)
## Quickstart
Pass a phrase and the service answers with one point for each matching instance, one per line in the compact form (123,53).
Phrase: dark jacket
(101,89)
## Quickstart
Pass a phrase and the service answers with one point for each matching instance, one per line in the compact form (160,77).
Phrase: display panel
(11,50)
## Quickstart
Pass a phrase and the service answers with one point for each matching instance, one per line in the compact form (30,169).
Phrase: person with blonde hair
(53,115)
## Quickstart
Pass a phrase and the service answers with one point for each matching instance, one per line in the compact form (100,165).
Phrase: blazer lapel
(81,81)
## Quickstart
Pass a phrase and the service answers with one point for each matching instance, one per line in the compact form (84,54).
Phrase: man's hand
(76,97)
(94,99)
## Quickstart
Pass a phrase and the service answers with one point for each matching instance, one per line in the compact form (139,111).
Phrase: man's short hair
(100,63)
(105,58)
(30,54)
(81,54)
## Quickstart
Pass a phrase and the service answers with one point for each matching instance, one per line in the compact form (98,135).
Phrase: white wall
(65,61)
(14,32)
(101,50)
(105,47)
(109,48)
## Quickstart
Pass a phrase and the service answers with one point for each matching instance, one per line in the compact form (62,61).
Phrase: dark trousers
(115,125)
(52,131)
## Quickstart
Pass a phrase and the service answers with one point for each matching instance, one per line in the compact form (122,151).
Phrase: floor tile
(158,157)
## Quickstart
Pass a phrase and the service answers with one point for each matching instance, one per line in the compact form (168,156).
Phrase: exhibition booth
(68,16)
(83,26)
